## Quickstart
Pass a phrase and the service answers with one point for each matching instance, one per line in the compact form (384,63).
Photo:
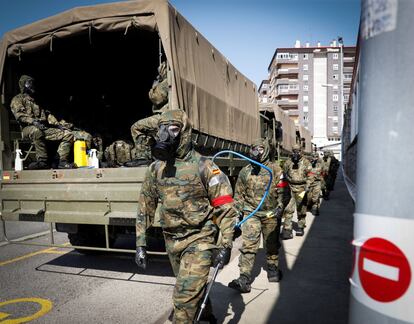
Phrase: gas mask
(29,87)
(314,163)
(167,143)
(296,157)
(256,153)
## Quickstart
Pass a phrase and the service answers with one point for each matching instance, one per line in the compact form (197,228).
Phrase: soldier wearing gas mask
(296,170)
(250,188)
(315,182)
(35,126)
(144,131)
(196,201)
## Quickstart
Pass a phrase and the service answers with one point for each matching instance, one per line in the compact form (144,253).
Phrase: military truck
(94,66)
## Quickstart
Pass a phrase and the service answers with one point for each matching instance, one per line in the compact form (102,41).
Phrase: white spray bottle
(93,159)
(18,162)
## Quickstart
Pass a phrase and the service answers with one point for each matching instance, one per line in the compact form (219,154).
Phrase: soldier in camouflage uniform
(144,131)
(326,168)
(296,171)
(35,126)
(195,200)
(250,188)
(315,176)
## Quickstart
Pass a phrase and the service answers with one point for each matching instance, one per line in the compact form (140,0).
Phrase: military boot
(273,273)
(315,211)
(300,231)
(286,234)
(242,284)
(38,165)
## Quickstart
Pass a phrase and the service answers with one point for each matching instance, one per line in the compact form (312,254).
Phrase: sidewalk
(316,266)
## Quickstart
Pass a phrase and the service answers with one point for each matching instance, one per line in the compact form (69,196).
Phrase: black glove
(237,232)
(39,124)
(278,212)
(222,257)
(141,257)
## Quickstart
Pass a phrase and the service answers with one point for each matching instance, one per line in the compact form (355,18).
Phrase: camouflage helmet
(262,142)
(23,80)
(296,147)
(179,117)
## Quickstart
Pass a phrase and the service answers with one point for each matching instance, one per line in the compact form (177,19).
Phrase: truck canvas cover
(218,99)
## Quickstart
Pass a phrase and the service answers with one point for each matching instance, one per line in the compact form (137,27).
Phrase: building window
(305,87)
(305,77)
(305,67)
(335,97)
(305,98)
(305,56)
(305,109)
(335,67)
(305,117)
(335,108)
(346,97)
(335,56)
(348,76)
(335,77)
(293,87)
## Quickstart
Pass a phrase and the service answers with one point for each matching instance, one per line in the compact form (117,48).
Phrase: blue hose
(267,188)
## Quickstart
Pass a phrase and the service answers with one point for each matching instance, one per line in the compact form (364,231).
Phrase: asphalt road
(58,285)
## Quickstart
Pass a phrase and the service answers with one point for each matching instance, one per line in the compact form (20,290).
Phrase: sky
(247,32)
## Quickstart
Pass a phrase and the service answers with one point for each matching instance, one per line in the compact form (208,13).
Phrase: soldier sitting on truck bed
(35,126)
(144,130)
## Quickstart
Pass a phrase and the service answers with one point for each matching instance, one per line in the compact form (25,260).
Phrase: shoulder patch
(216,171)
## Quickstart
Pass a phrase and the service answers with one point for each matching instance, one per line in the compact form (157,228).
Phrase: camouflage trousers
(143,133)
(299,203)
(251,232)
(314,195)
(38,138)
(191,268)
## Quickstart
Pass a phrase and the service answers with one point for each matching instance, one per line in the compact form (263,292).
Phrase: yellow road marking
(3,315)
(29,255)
(46,306)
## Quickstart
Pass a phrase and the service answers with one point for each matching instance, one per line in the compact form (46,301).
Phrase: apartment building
(264,91)
(312,83)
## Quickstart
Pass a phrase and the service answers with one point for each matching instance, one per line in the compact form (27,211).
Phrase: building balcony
(287,102)
(286,60)
(349,59)
(287,92)
(288,71)
(286,81)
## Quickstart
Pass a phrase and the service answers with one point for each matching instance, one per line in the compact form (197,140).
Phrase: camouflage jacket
(25,110)
(158,95)
(297,174)
(326,166)
(316,174)
(193,195)
(251,186)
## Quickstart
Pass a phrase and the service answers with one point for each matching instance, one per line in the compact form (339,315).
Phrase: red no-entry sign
(384,270)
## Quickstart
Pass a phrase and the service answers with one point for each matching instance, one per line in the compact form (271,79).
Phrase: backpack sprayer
(216,269)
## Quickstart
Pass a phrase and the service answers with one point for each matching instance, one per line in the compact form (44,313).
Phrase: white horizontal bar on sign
(381,270)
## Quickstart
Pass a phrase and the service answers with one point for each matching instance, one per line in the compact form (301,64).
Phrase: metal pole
(382,287)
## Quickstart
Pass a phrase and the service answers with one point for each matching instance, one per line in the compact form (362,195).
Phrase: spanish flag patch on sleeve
(216,171)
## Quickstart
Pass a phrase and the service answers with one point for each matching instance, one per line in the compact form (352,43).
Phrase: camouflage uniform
(144,131)
(195,197)
(250,188)
(315,176)
(26,112)
(297,176)
(326,167)
(333,169)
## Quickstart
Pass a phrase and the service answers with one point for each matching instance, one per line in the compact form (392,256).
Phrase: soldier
(250,188)
(333,169)
(296,170)
(315,177)
(144,131)
(326,179)
(35,126)
(195,198)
